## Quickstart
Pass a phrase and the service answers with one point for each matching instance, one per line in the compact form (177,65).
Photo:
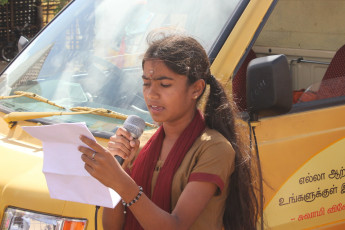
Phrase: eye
(146,82)
(165,85)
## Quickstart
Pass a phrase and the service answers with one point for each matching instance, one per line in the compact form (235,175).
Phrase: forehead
(157,68)
(151,66)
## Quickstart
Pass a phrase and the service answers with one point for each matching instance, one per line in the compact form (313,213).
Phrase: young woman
(194,172)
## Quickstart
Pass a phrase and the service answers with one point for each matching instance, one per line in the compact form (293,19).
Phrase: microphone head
(135,125)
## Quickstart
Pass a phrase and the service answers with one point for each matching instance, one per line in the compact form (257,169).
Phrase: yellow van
(283,62)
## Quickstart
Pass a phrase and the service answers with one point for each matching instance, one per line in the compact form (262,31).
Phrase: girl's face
(167,94)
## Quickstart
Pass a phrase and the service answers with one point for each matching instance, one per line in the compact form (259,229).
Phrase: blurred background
(23,18)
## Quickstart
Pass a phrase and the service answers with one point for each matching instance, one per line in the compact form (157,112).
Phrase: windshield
(90,55)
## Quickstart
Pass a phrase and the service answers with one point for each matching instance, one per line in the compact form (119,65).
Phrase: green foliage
(3,2)
(61,4)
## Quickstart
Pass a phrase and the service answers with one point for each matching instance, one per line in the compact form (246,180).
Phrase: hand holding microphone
(120,144)
(99,161)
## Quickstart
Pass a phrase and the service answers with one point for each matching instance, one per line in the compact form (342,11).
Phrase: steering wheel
(106,66)
(102,81)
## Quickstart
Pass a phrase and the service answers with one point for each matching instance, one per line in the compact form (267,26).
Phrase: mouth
(156,108)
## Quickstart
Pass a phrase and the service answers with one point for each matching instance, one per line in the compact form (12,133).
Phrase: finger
(120,151)
(134,143)
(88,161)
(92,144)
(123,132)
(89,169)
(117,140)
(86,151)
(119,147)
(117,152)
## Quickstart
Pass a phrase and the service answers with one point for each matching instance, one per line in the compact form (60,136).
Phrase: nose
(151,92)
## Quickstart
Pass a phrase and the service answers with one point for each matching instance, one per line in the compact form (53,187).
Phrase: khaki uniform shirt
(210,159)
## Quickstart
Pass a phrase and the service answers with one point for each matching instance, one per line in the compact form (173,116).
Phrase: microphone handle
(119,159)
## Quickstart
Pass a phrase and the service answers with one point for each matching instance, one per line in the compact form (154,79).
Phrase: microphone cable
(261,210)
(96,215)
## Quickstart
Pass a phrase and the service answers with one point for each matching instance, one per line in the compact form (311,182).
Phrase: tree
(3,2)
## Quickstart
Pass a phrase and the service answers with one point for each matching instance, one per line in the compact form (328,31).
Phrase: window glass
(311,34)
(90,55)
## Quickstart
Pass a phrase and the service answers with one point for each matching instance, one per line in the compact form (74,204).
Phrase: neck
(174,130)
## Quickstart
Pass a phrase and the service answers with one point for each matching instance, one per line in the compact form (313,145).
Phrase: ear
(198,88)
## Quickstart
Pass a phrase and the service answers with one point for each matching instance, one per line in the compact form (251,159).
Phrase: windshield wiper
(32,96)
(106,112)
(13,117)
(100,111)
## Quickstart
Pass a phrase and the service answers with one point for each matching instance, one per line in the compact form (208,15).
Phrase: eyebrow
(157,78)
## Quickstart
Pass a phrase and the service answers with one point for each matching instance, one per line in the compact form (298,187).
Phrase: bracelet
(135,199)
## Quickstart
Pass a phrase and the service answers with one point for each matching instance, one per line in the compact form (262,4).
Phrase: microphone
(135,125)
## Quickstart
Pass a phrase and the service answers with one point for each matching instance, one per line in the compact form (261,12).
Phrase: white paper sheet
(63,168)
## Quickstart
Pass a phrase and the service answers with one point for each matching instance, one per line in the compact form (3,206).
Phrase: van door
(302,151)
(303,167)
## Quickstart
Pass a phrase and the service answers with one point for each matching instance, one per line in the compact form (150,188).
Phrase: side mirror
(23,41)
(269,86)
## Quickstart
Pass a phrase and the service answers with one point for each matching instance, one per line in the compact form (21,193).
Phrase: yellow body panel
(313,194)
(291,140)
(289,145)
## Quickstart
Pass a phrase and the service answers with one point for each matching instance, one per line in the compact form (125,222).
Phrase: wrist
(134,200)
(126,187)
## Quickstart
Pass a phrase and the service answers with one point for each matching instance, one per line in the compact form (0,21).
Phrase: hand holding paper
(63,168)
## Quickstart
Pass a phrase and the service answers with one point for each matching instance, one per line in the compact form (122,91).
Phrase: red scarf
(146,161)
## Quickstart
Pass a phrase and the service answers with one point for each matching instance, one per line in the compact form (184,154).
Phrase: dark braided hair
(184,55)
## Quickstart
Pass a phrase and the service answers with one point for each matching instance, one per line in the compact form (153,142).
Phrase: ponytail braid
(241,206)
